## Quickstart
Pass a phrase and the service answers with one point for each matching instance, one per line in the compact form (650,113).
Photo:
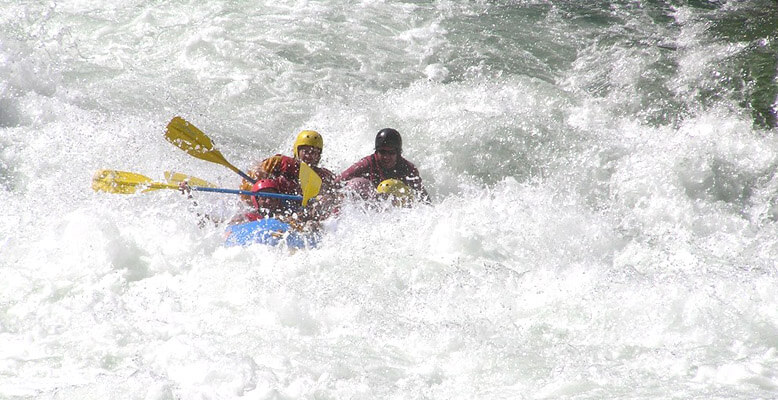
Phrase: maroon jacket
(368,168)
(287,173)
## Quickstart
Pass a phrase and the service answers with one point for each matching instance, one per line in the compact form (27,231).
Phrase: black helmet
(389,137)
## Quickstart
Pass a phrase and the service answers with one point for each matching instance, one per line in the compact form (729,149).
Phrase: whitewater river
(604,222)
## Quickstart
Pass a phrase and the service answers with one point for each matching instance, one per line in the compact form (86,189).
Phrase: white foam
(577,245)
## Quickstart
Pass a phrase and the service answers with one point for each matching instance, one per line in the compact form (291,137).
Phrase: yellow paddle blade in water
(310,182)
(122,182)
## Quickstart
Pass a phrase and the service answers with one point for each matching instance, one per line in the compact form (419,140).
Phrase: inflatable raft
(268,231)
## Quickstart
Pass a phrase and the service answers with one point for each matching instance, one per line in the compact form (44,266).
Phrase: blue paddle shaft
(246,177)
(248,193)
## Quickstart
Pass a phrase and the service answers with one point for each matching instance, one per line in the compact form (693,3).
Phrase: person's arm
(360,169)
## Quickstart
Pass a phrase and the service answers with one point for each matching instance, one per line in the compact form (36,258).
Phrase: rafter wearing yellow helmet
(397,191)
(307,147)
(307,138)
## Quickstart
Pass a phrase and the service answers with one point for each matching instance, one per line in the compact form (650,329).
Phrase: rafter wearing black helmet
(385,163)
(389,138)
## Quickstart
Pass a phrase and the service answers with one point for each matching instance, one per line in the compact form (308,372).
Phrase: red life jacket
(289,170)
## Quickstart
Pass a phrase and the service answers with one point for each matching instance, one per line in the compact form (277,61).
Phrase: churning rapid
(604,217)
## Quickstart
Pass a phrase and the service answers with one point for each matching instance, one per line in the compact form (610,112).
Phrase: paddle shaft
(248,193)
(192,140)
(241,173)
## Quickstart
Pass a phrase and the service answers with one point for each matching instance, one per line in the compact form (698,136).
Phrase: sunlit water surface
(603,221)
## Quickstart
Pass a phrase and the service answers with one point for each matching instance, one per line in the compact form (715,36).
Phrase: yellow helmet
(394,187)
(308,138)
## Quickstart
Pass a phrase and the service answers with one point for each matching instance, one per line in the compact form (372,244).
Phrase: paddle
(122,182)
(175,177)
(187,137)
(310,182)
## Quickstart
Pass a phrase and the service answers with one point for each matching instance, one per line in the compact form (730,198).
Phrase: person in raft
(264,207)
(385,163)
(307,148)
(261,207)
(285,170)
(397,193)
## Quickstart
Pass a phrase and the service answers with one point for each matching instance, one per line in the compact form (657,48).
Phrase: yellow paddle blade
(188,138)
(310,182)
(175,177)
(122,182)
